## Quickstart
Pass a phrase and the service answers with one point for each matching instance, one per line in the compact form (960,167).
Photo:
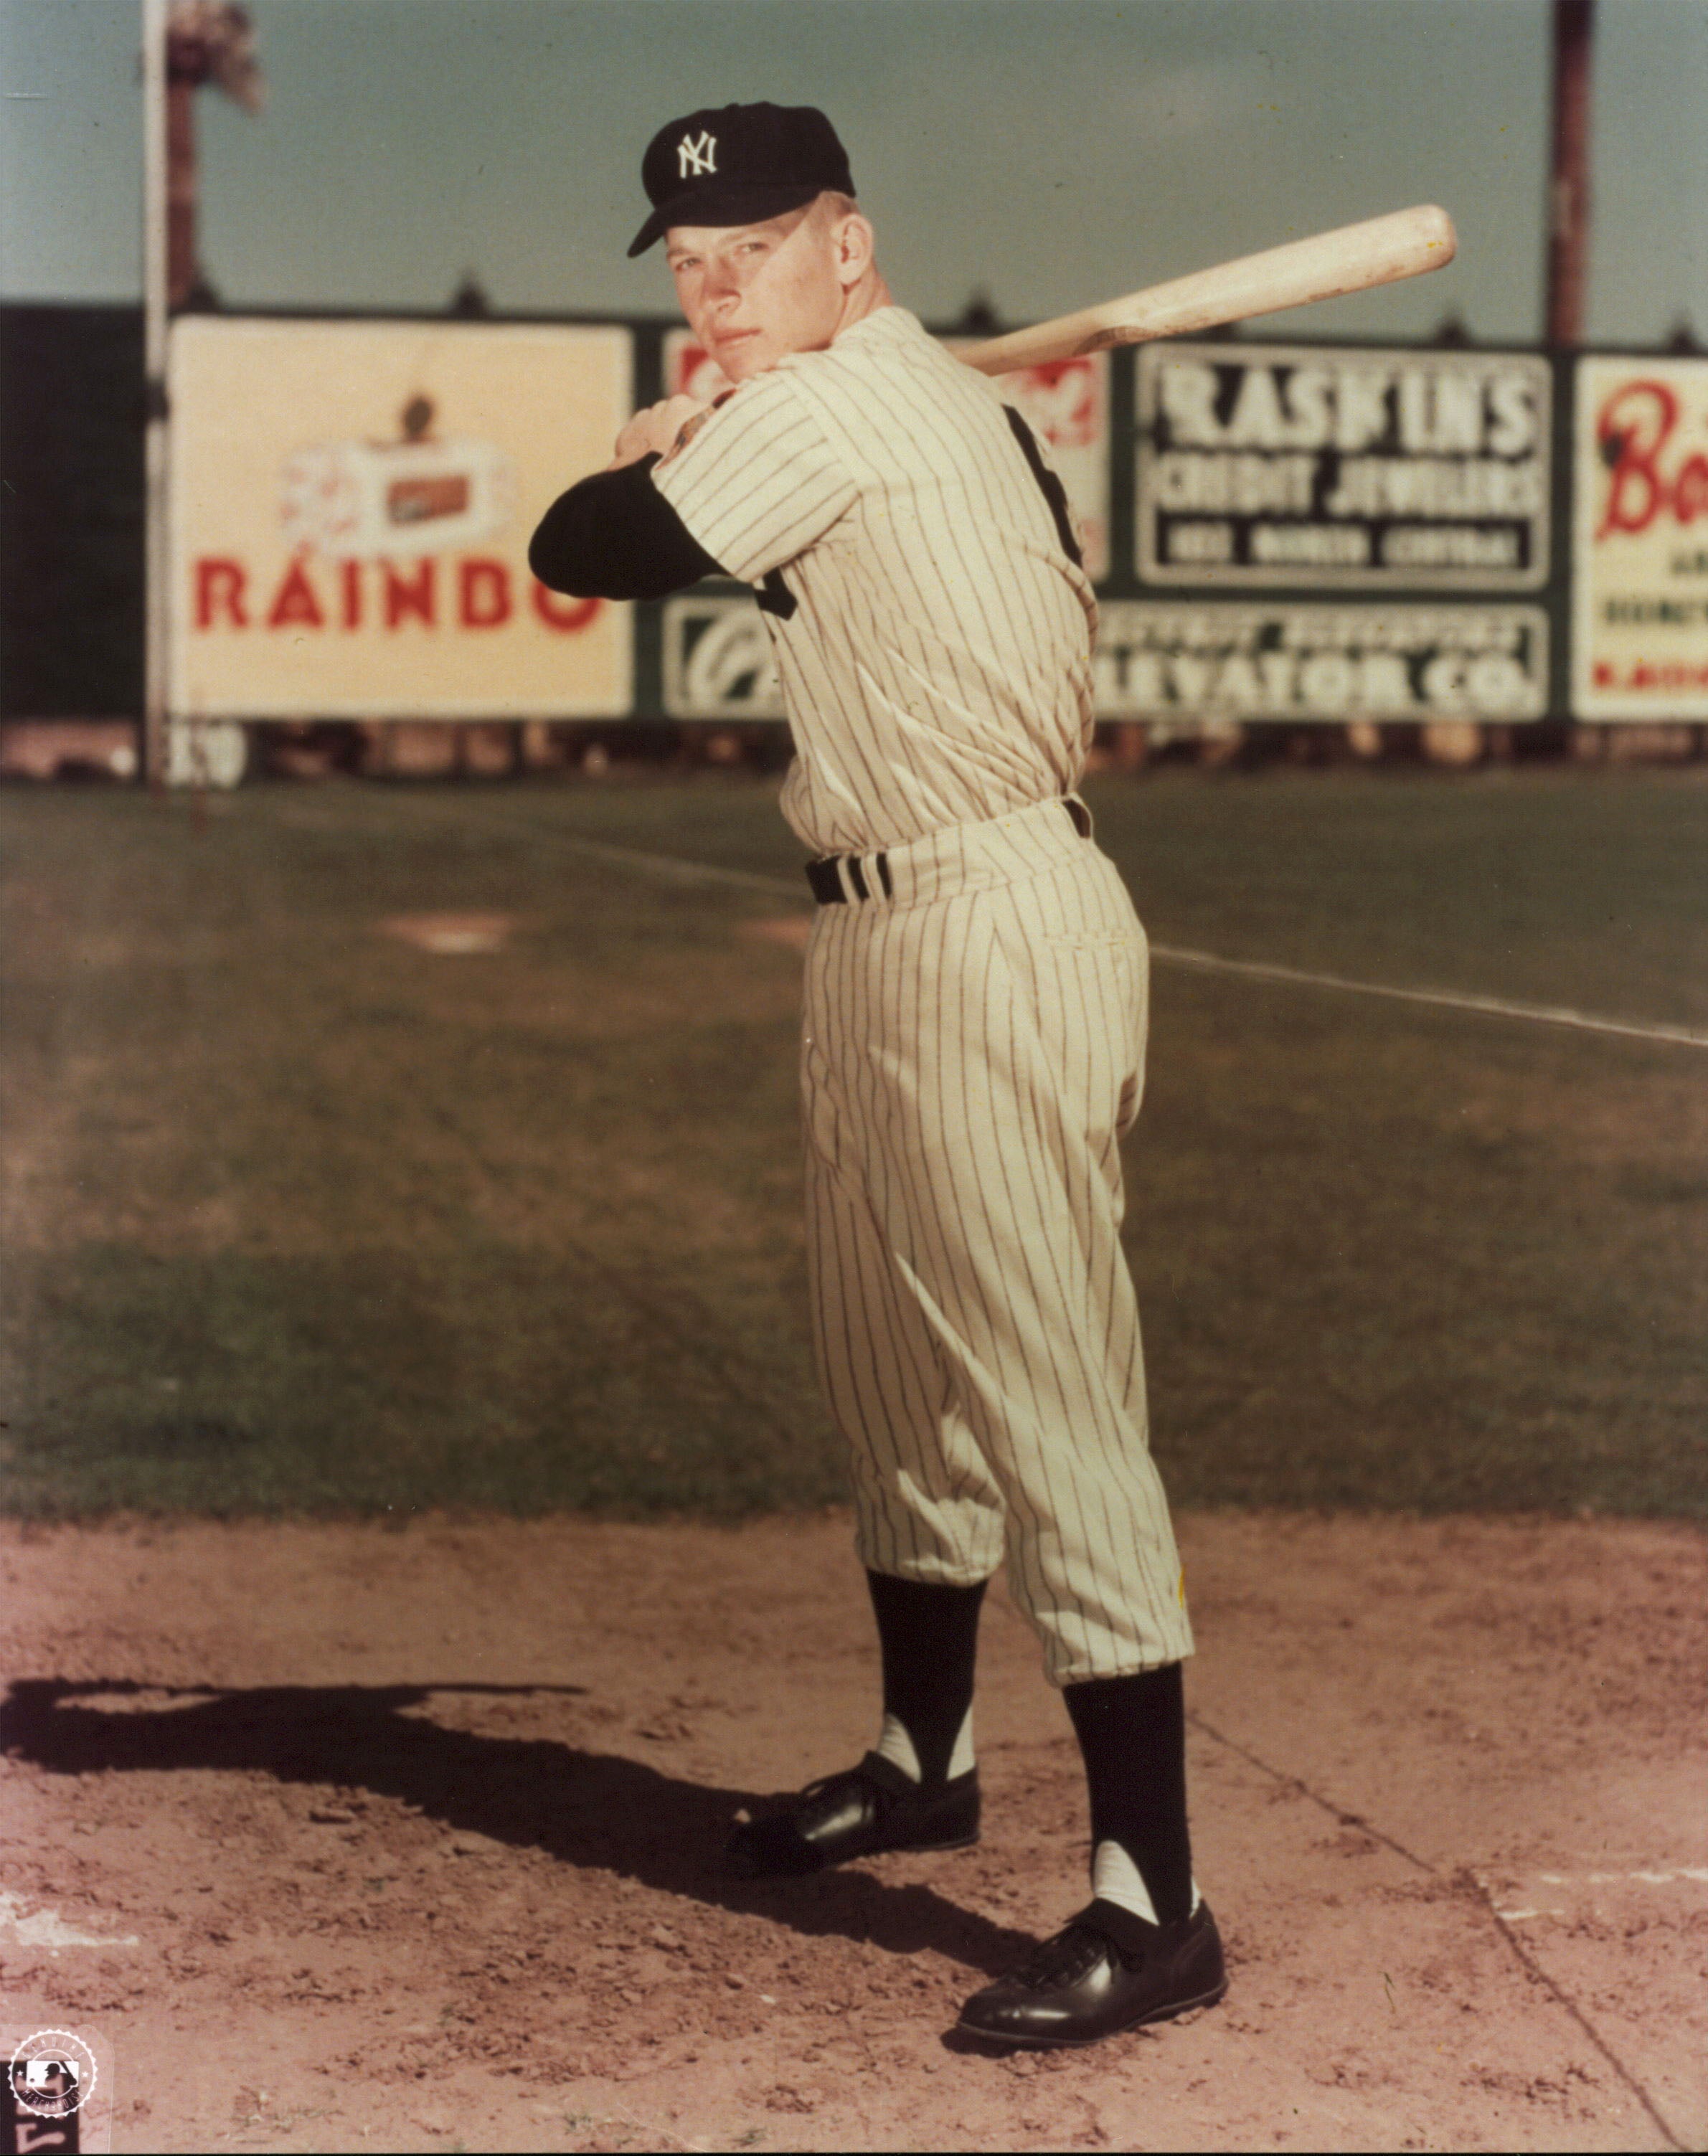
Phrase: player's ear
(857,245)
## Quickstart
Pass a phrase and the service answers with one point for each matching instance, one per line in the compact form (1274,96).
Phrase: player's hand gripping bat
(1352,258)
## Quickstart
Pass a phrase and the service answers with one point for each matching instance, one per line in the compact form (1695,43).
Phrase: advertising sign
(1300,466)
(1640,572)
(717,660)
(1066,405)
(690,370)
(350,506)
(1191,662)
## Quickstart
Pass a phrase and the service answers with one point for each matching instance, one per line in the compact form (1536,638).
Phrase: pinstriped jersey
(932,636)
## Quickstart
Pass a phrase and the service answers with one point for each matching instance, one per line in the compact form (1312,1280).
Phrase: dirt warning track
(339,1838)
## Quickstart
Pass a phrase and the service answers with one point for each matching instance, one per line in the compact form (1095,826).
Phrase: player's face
(752,293)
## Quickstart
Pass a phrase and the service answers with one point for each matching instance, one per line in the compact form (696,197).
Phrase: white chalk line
(1688,1873)
(1677,1036)
(1683,1036)
(671,864)
(1691,1872)
(46,1928)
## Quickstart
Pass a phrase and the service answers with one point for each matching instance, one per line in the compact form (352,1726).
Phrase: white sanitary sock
(1115,1877)
(894,1744)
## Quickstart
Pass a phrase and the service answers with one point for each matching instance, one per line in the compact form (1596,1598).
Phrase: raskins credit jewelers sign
(1301,465)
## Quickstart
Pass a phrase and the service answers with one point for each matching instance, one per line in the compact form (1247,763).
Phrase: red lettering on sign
(1679,674)
(350,578)
(691,361)
(219,590)
(1634,426)
(295,600)
(483,594)
(567,614)
(1067,412)
(1691,489)
(413,596)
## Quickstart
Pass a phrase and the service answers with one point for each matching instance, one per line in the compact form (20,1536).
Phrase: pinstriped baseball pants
(973,1050)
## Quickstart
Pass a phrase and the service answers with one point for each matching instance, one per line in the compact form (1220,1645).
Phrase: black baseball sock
(1133,1733)
(930,1637)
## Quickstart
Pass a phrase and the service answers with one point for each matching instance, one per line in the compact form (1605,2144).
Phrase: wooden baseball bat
(1381,251)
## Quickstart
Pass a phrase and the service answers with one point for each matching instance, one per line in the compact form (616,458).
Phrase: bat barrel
(1352,258)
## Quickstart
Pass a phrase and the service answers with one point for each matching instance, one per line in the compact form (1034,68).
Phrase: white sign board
(717,661)
(1066,406)
(1301,466)
(350,505)
(1639,571)
(690,370)
(1193,663)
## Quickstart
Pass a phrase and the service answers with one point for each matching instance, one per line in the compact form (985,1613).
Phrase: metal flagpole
(156,714)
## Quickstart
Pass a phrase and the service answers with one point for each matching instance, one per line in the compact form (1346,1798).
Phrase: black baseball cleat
(871,1807)
(1106,1971)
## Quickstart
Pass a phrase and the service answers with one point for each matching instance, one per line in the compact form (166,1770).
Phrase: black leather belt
(827,884)
(828,888)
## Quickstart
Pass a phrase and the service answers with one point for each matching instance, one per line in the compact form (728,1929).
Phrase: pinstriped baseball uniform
(973,1038)
(937,669)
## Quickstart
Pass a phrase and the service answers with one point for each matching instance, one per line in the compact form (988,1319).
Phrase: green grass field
(301,1217)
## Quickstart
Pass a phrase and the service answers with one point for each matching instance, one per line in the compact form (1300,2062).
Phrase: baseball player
(973,1030)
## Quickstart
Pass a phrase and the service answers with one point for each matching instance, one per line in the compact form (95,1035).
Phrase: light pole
(1568,196)
(154,290)
(185,44)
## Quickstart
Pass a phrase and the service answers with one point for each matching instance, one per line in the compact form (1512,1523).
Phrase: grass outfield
(301,1217)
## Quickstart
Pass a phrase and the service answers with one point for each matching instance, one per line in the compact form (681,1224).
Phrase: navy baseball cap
(739,164)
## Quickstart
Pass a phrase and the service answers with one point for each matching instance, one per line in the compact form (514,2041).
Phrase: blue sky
(1051,151)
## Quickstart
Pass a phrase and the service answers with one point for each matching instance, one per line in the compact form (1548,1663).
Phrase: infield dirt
(342,1839)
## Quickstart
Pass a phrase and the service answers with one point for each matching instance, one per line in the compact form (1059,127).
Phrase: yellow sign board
(350,508)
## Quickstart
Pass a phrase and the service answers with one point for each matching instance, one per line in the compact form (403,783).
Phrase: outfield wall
(1280,532)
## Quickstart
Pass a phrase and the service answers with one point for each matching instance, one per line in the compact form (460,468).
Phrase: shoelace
(832,1785)
(1065,1957)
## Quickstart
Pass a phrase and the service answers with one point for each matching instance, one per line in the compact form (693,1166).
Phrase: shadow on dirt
(591,1809)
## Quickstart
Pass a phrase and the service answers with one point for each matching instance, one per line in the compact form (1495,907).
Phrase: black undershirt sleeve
(615,536)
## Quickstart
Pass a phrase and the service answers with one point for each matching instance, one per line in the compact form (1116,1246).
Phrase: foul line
(1681,1036)
(670,865)
(1526,1960)
(1206,961)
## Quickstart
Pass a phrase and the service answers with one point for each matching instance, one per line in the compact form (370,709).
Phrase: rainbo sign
(350,506)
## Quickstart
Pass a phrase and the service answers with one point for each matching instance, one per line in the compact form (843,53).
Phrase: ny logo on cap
(696,158)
